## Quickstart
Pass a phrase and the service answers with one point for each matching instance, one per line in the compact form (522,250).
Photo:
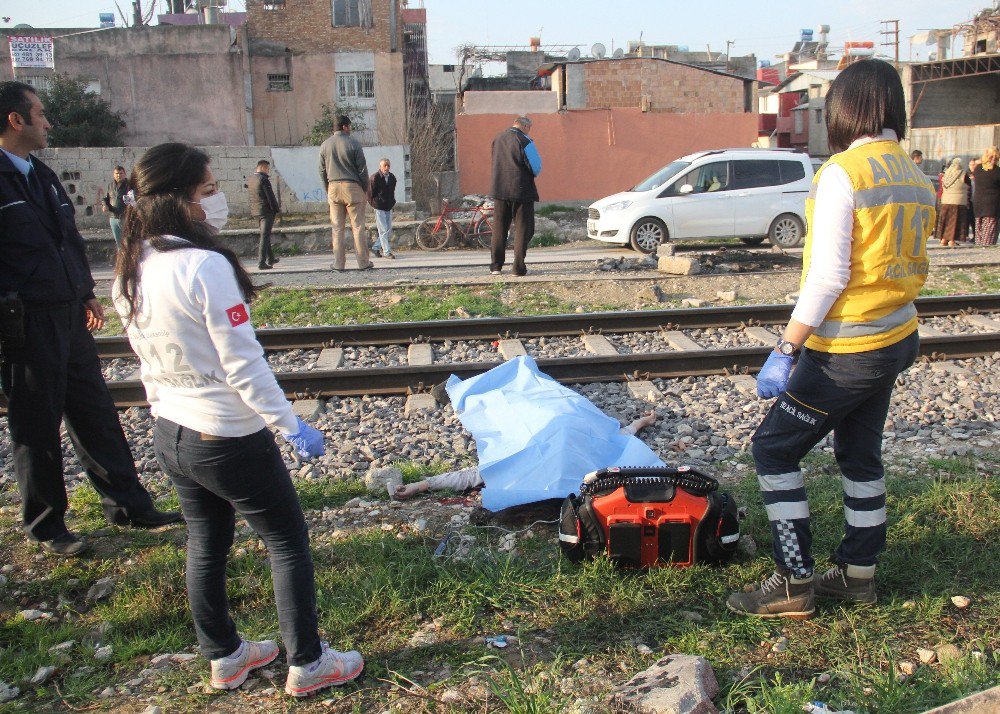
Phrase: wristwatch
(789,349)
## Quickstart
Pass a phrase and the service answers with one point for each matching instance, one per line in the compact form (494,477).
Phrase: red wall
(589,154)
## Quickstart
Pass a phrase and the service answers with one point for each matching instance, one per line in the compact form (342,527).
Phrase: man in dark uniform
(264,206)
(49,368)
(516,163)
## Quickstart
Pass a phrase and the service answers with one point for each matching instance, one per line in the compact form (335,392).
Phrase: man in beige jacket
(344,172)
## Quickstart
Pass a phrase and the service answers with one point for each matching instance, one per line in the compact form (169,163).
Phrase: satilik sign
(31,51)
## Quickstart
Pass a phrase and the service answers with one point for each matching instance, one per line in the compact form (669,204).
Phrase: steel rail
(490,328)
(320,384)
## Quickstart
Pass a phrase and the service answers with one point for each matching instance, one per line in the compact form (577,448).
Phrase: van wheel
(787,231)
(647,233)
(753,240)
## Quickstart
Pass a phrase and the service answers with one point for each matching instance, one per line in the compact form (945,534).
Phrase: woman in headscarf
(954,204)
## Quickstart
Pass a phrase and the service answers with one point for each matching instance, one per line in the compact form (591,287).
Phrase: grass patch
(375,590)
(554,209)
(544,240)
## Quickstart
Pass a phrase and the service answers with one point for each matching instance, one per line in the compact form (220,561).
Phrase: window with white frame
(355,85)
(40,82)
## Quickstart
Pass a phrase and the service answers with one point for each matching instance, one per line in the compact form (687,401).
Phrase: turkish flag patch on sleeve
(237,315)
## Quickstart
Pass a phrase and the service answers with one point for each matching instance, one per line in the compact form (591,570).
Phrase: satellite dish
(573,55)
(618,53)
(598,50)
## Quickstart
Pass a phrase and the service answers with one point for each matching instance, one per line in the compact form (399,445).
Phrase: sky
(695,24)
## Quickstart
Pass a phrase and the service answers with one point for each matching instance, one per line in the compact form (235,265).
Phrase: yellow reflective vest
(893,217)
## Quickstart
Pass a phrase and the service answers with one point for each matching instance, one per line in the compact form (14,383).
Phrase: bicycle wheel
(482,233)
(433,236)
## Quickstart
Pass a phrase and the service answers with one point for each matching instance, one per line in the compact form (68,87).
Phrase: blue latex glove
(308,440)
(773,376)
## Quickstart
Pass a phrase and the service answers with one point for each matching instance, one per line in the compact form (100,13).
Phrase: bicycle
(435,233)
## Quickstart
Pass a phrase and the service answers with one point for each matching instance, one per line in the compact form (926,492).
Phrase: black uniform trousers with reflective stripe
(59,376)
(849,395)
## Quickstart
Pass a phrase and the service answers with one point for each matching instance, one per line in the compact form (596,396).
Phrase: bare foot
(409,490)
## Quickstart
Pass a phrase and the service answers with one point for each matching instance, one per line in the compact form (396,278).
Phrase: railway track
(488,328)
(606,363)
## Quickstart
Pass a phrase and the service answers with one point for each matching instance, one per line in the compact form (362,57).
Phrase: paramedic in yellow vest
(852,332)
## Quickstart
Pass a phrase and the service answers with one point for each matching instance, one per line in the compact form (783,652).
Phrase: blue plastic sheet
(536,438)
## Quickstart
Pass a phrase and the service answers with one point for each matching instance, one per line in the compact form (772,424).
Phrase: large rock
(677,684)
(678,265)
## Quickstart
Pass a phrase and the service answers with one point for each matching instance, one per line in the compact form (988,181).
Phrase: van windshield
(661,176)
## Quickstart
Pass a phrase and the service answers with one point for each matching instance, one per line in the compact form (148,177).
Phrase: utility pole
(729,43)
(890,29)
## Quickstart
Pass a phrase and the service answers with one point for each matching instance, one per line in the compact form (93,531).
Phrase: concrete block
(307,409)
(419,403)
(692,302)
(330,358)
(420,355)
(681,342)
(984,702)
(509,349)
(599,345)
(645,391)
(927,331)
(677,684)
(983,321)
(762,335)
(665,250)
(726,295)
(678,265)
(745,384)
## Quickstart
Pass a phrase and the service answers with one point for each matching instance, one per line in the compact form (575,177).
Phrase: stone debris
(101,590)
(960,601)
(644,649)
(726,295)
(676,684)
(102,653)
(62,647)
(693,302)
(8,692)
(781,645)
(907,667)
(665,250)
(926,656)
(152,709)
(947,653)
(32,615)
(383,480)
(43,674)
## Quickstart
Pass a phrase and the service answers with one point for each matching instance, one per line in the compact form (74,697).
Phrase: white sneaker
(332,669)
(230,672)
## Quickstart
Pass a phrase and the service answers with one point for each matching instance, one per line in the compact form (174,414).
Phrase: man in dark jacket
(516,163)
(113,202)
(382,197)
(263,206)
(49,369)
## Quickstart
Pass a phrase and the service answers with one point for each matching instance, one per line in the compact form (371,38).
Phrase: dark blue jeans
(849,395)
(215,480)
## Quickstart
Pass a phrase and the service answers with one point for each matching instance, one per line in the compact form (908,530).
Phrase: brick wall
(667,87)
(588,154)
(307,26)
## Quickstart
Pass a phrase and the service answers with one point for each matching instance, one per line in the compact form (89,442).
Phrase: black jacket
(513,179)
(261,196)
(382,191)
(114,197)
(42,256)
(986,194)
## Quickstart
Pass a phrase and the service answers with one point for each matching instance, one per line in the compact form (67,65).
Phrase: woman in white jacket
(183,299)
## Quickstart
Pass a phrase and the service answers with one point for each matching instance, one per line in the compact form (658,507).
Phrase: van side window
(705,179)
(791,171)
(755,173)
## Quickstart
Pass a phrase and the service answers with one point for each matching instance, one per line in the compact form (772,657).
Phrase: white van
(752,194)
